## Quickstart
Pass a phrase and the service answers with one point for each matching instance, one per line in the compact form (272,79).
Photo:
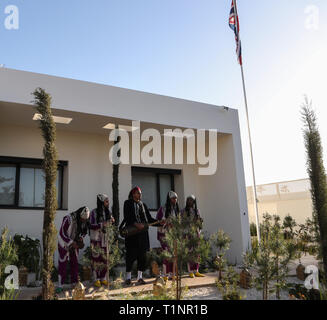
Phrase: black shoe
(141,281)
(128,282)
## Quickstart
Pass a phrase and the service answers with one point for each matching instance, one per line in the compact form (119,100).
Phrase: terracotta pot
(245,279)
(300,272)
(23,275)
(87,273)
(155,268)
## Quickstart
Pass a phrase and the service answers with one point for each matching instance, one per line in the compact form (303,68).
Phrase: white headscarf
(172,195)
(102,197)
(85,214)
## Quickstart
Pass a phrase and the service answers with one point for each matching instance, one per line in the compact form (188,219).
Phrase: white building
(83,147)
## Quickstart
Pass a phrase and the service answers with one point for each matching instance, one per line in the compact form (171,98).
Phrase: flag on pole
(235,26)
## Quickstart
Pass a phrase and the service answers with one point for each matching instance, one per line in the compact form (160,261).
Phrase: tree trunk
(265,289)
(108,264)
(115,186)
(177,273)
(277,280)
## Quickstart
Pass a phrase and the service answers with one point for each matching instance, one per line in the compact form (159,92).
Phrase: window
(22,183)
(155,184)
(7,184)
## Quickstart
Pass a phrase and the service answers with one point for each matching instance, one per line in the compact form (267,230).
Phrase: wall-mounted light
(178,134)
(57,119)
(111,126)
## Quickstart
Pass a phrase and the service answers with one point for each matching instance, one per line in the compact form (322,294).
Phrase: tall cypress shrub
(48,127)
(317,175)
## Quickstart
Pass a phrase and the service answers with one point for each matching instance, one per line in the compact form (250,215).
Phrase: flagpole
(255,200)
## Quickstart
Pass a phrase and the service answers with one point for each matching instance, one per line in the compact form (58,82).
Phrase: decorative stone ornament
(159,286)
(79,291)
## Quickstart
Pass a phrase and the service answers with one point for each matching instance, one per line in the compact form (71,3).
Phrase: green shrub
(29,253)
(253,229)
(8,256)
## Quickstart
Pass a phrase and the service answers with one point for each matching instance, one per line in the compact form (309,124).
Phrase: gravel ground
(212,293)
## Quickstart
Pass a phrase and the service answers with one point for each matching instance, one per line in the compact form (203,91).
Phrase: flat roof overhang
(22,115)
(101,101)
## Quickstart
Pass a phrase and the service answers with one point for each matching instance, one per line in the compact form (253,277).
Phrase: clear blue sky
(184,48)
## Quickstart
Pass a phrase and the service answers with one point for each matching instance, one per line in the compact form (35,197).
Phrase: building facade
(85,112)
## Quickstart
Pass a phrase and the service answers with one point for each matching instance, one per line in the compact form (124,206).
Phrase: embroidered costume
(74,227)
(191,210)
(99,217)
(165,212)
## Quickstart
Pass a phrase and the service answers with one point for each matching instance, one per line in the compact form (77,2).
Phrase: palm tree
(317,175)
(48,127)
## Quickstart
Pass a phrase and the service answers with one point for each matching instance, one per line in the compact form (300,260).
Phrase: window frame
(158,172)
(19,162)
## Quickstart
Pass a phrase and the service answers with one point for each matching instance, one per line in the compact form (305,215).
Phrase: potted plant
(29,257)
(155,261)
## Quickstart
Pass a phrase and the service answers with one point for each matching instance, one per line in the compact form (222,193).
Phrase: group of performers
(78,224)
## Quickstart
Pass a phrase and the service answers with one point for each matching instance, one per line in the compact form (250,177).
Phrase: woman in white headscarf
(171,208)
(99,218)
(191,210)
(70,239)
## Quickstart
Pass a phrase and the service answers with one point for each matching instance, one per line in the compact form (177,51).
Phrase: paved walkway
(208,280)
(92,292)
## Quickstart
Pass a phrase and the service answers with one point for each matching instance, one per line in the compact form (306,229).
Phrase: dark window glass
(155,186)
(32,187)
(7,184)
(148,183)
(165,187)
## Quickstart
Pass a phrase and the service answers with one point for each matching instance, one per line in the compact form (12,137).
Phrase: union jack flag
(235,26)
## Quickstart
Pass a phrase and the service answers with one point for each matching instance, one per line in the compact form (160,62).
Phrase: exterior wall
(217,194)
(283,198)
(90,172)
